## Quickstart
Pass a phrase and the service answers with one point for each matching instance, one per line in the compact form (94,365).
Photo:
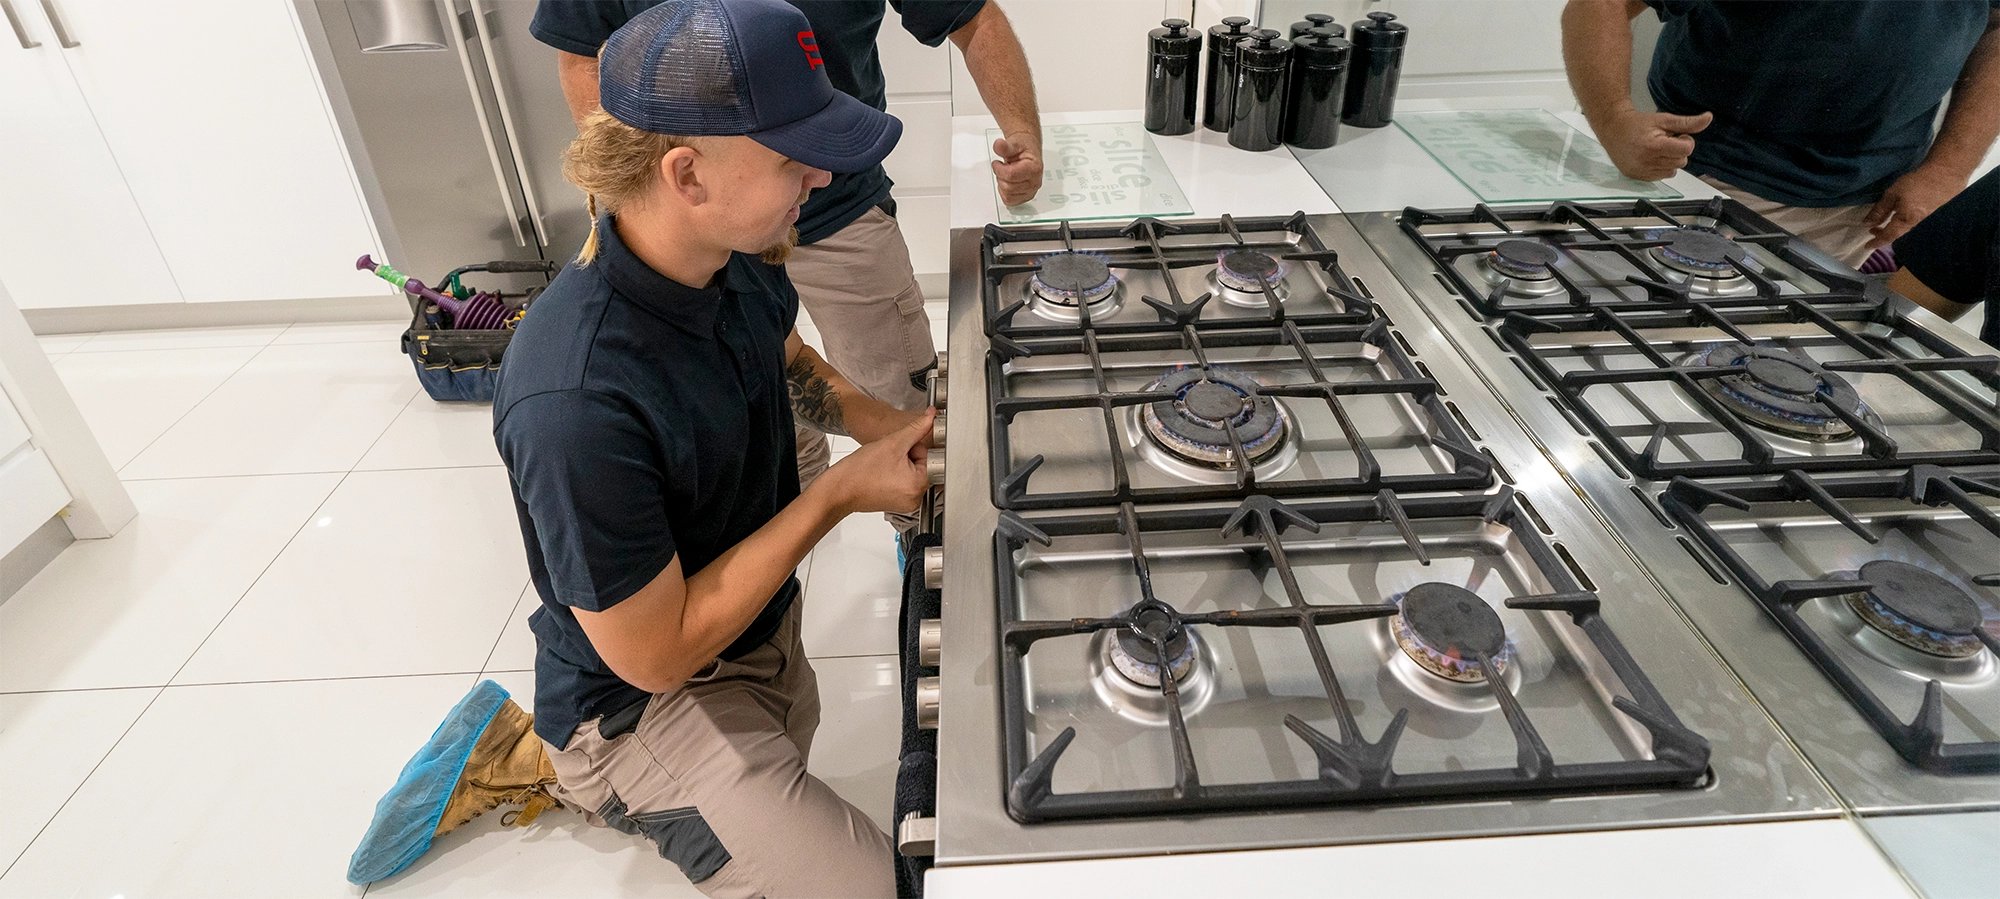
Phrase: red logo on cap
(810,44)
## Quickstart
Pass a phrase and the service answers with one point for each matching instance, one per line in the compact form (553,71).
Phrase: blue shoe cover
(408,814)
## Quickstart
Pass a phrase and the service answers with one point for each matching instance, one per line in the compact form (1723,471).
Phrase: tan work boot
(508,766)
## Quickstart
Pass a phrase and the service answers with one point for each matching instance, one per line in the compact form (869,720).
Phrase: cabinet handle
(485,125)
(56,22)
(507,123)
(20,31)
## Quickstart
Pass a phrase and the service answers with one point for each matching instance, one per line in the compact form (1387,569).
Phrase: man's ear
(682,173)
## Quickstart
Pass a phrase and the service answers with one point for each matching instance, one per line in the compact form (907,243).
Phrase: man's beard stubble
(776,254)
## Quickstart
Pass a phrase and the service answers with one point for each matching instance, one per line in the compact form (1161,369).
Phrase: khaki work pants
(714,774)
(1841,231)
(862,294)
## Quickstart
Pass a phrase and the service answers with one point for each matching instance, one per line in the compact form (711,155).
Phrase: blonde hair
(615,163)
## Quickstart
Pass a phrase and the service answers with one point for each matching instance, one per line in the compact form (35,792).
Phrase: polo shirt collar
(692,309)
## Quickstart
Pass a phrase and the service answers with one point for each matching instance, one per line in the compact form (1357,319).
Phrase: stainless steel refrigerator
(456,125)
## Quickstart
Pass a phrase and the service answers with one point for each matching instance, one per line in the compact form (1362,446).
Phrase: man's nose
(818,178)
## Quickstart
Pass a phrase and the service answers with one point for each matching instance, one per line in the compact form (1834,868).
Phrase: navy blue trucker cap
(697,68)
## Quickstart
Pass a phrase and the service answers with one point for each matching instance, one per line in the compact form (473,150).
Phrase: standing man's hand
(1650,146)
(1909,199)
(1019,168)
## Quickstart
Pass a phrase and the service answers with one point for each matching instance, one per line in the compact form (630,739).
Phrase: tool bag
(463,364)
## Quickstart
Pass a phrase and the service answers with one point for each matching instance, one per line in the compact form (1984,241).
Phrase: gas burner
(1241,275)
(1134,655)
(1194,425)
(1700,258)
(1523,267)
(1782,391)
(1443,627)
(1063,281)
(1918,609)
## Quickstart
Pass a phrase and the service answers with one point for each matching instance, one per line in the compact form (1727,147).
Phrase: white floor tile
(237,790)
(516,649)
(430,434)
(310,407)
(51,741)
(860,730)
(58,344)
(400,572)
(181,338)
(855,591)
(840,446)
(131,609)
(131,398)
(386,333)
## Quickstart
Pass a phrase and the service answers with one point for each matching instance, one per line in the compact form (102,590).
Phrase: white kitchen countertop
(1824,859)
(1216,177)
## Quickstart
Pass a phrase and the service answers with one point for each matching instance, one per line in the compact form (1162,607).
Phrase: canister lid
(1380,31)
(1232,26)
(1316,20)
(1263,48)
(1321,48)
(1174,37)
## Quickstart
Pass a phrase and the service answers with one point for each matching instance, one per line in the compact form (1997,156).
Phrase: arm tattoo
(813,399)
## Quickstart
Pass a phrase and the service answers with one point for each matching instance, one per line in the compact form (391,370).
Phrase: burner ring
(1699,251)
(1135,654)
(1194,423)
(1249,271)
(1918,609)
(1528,260)
(1444,628)
(1066,277)
(1782,390)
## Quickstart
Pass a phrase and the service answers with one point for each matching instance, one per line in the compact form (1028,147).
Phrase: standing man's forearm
(1973,119)
(1597,53)
(999,68)
(578,75)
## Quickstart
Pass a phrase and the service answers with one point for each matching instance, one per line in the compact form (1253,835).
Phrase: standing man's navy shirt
(639,419)
(845,30)
(1816,103)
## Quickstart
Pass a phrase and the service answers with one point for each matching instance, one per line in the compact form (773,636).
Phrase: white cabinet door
(70,234)
(217,118)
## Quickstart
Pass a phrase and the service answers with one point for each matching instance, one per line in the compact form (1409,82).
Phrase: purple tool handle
(448,304)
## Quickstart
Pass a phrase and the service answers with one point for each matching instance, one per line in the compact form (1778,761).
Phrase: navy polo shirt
(640,419)
(1816,104)
(1956,250)
(846,31)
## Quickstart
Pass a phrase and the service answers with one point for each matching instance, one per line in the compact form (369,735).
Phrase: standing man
(852,268)
(645,416)
(1815,115)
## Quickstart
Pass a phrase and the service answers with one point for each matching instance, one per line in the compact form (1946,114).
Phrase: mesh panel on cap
(673,70)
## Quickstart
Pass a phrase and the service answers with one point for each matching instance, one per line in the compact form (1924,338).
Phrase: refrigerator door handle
(486,126)
(20,30)
(60,26)
(507,122)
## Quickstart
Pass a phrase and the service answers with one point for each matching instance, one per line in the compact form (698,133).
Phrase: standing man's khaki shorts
(1842,231)
(862,294)
(714,774)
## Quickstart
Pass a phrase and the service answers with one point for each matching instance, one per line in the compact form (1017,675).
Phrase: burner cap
(1523,258)
(1922,598)
(1782,390)
(1700,251)
(1063,277)
(1194,424)
(1442,627)
(1248,270)
(1134,654)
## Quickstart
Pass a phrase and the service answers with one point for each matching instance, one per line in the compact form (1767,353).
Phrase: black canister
(1219,89)
(1316,20)
(1377,67)
(1318,89)
(1261,62)
(1170,77)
